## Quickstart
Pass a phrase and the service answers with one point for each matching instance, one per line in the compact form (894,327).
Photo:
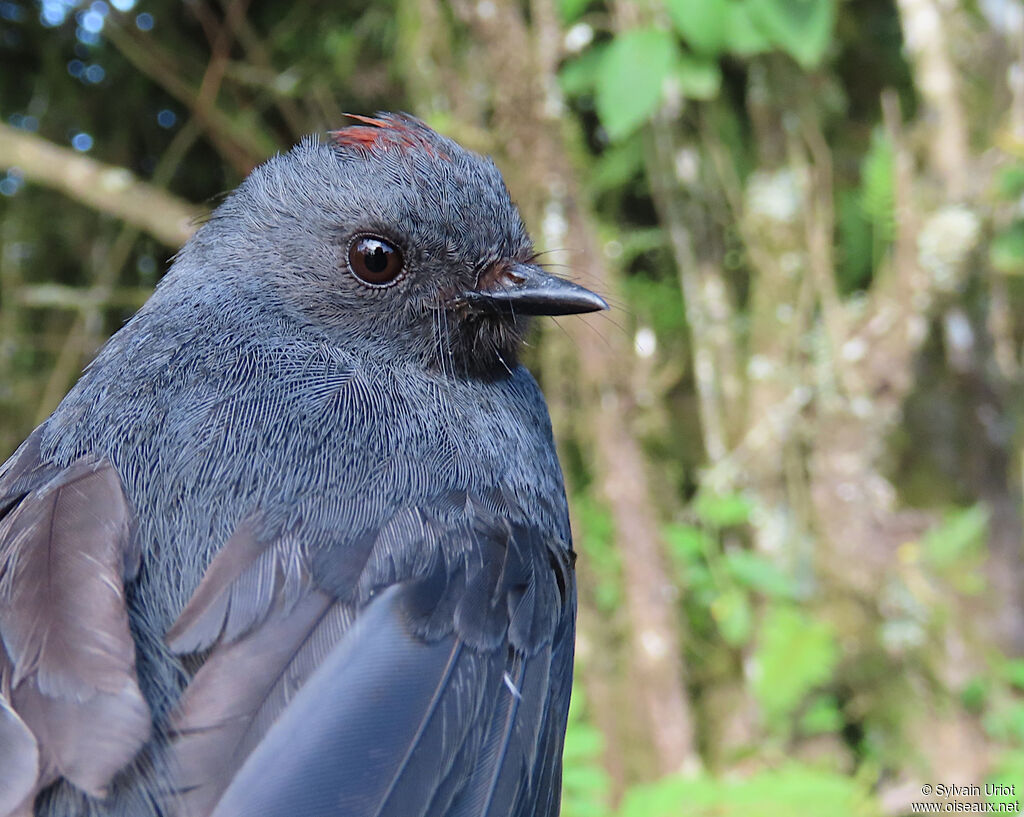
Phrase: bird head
(388,234)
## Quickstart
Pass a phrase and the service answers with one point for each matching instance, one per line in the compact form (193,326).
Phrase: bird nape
(296,544)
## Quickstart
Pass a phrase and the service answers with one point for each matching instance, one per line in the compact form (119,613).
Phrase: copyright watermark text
(956,799)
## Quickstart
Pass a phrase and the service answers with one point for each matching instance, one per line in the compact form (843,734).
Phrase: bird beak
(523,289)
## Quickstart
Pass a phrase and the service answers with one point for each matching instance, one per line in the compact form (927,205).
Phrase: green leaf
(631,76)
(595,540)
(687,547)
(618,165)
(974,695)
(1010,184)
(704,24)
(687,543)
(856,249)
(801,28)
(744,38)
(578,76)
(1006,723)
(699,583)
(732,613)
(570,10)
(657,301)
(722,510)
(758,573)
(1006,253)
(698,78)
(1014,672)
(639,241)
(586,786)
(877,195)
(795,653)
(960,536)
(822,716)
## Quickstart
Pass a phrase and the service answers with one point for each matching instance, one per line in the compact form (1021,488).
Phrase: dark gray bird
(296,544)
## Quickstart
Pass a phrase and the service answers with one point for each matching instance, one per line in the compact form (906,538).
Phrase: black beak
(523,289)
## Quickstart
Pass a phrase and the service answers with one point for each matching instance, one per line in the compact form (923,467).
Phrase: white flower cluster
(944,242)
(777,196)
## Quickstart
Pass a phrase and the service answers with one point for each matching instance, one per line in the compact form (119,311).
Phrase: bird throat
(478,346)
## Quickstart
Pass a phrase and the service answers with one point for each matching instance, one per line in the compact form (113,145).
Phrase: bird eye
(375,261)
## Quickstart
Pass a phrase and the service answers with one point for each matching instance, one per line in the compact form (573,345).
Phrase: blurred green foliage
(630,76)
(795,654)
(1006,253)
(586,787)
(631,71)
(790,791)
(876,195)
(595,540)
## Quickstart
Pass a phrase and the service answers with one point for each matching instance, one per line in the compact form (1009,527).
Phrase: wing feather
(19,761)
(68,672)
(205,616)
(344,739)
(214,723)
(429,696)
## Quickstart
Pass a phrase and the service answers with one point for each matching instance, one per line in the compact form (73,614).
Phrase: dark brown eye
(375,261)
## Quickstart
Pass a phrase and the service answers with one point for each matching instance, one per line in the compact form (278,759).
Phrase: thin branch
(260,57)
(239,143)
(80,299)
(926,35)
(107,188)
(714,423)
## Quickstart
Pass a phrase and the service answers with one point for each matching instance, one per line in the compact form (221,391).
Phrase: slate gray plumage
(340,568)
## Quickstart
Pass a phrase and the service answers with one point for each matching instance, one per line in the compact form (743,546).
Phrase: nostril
(501,275)
(498,275)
